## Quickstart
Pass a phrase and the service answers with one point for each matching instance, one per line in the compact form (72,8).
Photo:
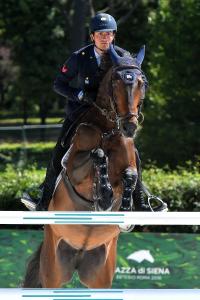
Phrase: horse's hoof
(126,228)
(97,154)
(125,208)
(126,204)
(103,207)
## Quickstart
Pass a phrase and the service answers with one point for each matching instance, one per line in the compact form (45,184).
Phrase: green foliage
(37,154)
(35,32)
(171,131)
(14,182)
(180,189)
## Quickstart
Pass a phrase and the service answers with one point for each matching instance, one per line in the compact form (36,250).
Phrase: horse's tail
(31,279)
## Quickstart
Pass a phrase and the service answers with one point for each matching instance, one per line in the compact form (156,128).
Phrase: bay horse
(99,173)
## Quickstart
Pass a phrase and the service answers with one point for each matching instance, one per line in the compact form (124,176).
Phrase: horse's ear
(114,56)
(140,55)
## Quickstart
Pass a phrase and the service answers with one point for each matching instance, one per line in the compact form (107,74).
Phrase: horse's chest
(86,236)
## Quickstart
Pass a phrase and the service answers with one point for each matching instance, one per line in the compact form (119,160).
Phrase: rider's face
(103,39)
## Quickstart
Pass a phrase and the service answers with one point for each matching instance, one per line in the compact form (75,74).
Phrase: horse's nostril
(124,127)
(129,128)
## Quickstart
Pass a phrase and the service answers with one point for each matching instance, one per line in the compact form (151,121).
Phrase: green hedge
(31,153)
(180,189)
(14,182)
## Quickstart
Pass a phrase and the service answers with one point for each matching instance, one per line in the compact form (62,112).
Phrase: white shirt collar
(98,56)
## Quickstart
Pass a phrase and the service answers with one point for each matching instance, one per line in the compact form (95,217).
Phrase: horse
(99,173)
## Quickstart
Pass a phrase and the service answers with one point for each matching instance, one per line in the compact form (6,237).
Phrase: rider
(87,68)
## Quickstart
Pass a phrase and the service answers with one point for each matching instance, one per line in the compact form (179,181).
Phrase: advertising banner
(158,260)
(144,260)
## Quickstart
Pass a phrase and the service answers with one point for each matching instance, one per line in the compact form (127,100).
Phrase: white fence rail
(29,132)
(117,294)
(101,218)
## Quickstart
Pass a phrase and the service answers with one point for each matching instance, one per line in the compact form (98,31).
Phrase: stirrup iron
(28,202)
(161,207)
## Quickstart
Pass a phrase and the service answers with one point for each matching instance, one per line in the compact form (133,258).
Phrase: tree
(171,132)
(33,31)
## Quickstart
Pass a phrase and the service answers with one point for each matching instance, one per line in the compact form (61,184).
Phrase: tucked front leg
(103,189)
(129,183)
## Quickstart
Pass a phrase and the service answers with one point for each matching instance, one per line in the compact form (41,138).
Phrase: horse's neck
(103,95)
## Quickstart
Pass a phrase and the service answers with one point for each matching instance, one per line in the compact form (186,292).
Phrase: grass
(31,121)
(28,145)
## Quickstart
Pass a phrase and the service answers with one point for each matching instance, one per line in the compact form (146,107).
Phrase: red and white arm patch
(64,69)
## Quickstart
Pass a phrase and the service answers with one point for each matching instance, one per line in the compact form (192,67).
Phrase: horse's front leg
(122,168)
(50,268)
(102,187)
(87,161)
(129,183)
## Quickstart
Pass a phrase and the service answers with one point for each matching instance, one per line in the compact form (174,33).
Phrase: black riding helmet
(103,22)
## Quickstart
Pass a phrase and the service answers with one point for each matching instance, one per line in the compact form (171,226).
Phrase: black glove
(89,96)
(84,96)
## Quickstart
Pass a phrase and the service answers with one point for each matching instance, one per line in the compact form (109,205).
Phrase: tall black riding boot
(138,198)
(48,186)
(54,168)
(138,195)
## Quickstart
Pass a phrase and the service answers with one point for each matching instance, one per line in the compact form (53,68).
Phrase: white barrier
(25,131)
(85,294)
(136,218)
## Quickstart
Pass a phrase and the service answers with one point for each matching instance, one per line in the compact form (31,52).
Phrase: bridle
(113,115)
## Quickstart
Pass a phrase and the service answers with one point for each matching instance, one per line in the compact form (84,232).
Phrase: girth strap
(74,195)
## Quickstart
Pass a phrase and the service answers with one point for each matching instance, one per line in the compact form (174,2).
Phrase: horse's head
(128,89)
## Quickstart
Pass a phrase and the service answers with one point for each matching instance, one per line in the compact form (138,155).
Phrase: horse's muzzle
(128,128)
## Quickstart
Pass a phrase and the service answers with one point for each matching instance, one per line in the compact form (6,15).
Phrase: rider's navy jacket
(81,66)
